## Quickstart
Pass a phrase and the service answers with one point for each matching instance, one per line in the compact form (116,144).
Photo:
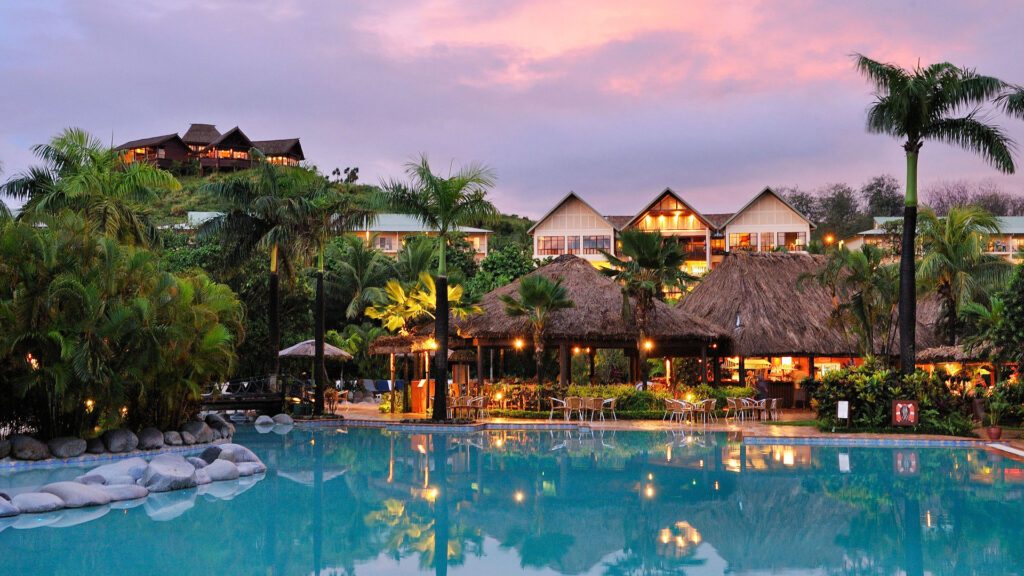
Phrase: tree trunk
(908,283)
(538,353)
(320,372)
(441,528)
(441,337)
(641,359)
(273,313)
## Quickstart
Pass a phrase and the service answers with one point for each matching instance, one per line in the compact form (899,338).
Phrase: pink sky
(610,99)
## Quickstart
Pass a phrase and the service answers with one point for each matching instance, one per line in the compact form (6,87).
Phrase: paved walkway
(366,411)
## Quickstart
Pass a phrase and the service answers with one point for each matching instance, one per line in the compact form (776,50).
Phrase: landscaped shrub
(870,390)
(629,398)
(704,391)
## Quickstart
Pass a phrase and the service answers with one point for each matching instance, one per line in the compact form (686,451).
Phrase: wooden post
(563,366)
(668,373)
(743,371)
(810,366)
(479,369)
(394,393)
(593,373)
(717,368)
(704,364)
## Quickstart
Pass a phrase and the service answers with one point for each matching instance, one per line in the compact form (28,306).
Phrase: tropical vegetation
(538,298)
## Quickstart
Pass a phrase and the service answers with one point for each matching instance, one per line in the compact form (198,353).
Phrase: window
(572,244)
(551,245)
(161,153)
(384,243)
(767,241)
(793,241)
(718,246)
(744,241)
(594,244)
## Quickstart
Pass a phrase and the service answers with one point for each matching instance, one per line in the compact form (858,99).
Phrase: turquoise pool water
(369,502)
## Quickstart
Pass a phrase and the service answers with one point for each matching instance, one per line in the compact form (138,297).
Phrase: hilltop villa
(389,231)
(764,224)
(213,151)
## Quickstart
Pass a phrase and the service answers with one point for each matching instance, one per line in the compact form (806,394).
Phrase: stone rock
(67,447)
(203,477)
(76,495)
(201,431)
(91,479)
(236,453)
(198,462)
(74,517)
(210,454)
(132,468)
(123,480)
(187,439)
(250,468)
(169,472)
(283,419)
(5,449)
(120,493)
(8,509)
(28,448)
(221,470)
(214,434)
(282,429)
(95,446)
(151,439)
(120,440)
(264,420)
(221,425)
(169,505)
(37,502)
(172,438)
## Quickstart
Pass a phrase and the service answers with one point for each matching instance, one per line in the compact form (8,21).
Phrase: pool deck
(751,431)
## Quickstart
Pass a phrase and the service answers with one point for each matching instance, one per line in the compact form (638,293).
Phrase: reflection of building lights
(928,518)
(668,453)
(716,485)
(518,344)
(312,441)
(519,496)
(701,463)
(665,536)
(787,457)
(649,491)
(430,494)
(421,449)
(650,476)
(499,442)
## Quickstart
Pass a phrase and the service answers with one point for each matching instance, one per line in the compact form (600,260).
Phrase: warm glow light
(430,344)
(788,457)
(575,349)
(787,361)
(124,411)
(430,494)
(90,404)
(32,361)
(312,441)
(650,476)
(519,496)
(665,536)
(648,345)
(649,491)
(829,239)
(499,443)
(716,484)
(689,397)
(518,344)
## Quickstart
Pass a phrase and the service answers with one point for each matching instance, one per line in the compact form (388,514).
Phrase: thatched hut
(754,296)
(596,321)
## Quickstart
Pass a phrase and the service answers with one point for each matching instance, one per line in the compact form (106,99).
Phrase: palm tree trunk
(538,354)
(320,372)
(908,284)
(441,337)
(274,313)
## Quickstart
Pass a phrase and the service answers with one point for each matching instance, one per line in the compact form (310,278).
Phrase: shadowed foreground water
(370,502)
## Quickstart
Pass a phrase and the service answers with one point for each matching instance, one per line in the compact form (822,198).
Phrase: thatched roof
(393,344)
(954,354)
(596,317)
(284,147)
(754,297)
(147,142)
(307,349)
(201,134)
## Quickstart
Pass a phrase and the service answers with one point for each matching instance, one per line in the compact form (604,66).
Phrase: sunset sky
(614,100)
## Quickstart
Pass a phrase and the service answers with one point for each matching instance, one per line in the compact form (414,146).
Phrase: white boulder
(77,495)
(37,502)
(169,472)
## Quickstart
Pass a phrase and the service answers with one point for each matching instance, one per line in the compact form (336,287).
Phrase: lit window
(572,244)
(743,241)
(767,241)
(595,244)
(551,245)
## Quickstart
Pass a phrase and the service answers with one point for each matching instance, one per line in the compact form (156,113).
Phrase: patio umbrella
(307,349)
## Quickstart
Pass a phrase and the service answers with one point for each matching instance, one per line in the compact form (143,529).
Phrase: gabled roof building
(212,150)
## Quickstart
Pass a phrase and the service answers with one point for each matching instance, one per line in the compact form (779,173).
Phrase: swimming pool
(363,501)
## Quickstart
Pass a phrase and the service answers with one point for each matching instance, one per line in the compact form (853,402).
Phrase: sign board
(904,413)
(905,463)
(843,410)
(844,462)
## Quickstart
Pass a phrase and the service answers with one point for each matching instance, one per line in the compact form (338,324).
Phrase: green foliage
(87,318)
(629,398)
(538,298)
(501,267)
(1007,335)
(870,390)
(356,339)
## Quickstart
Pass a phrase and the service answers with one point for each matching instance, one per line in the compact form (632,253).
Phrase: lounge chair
(557,405)
(609,404)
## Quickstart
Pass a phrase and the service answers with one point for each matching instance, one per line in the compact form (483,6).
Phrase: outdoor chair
(773,409)
(573,404)
(609,404)
(594,406)
(682,410)
(707,410)
(669,405)
(557,405)
(478,406)
(731,407)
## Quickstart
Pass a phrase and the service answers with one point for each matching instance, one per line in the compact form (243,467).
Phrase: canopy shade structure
(759,299)
(307,349)
(595,320)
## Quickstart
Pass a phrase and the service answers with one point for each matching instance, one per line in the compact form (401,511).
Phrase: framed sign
(904,413)
(905,463)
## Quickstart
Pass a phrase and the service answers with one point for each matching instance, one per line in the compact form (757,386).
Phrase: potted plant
(997,406)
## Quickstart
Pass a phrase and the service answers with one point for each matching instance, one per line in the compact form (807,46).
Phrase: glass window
(743,241)
(594,244)
(767,241)
(572,244)
(717,246)
(551,245)
(384,243)
(793,241)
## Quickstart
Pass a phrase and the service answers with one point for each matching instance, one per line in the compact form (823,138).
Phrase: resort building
(389,231)
(212,150)
(887,229)
(766,223)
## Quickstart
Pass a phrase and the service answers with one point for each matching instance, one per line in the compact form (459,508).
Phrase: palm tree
(924,104)
(539,297)
(442,204)
(361,271)
(955,265)
(415,258)
(263,207)
(80,174)
(653,266)
(325,212)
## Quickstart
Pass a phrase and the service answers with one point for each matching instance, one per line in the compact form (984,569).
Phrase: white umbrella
(307,349)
